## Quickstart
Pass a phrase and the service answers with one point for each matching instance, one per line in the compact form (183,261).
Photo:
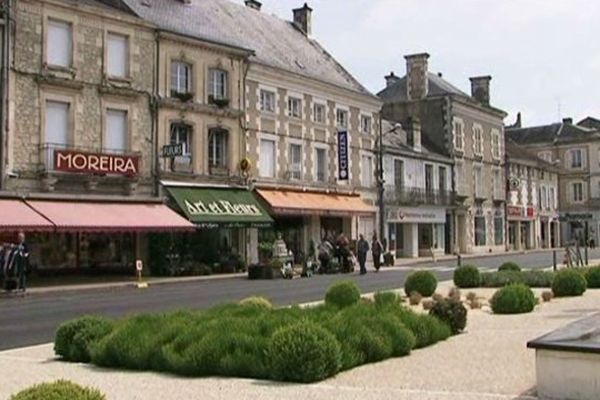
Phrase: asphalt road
(33,319)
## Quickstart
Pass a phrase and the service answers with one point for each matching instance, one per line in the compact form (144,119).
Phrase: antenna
(558,109)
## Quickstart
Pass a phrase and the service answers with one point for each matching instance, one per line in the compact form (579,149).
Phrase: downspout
(380,183)
(242,108)
(154,114)
(4,65)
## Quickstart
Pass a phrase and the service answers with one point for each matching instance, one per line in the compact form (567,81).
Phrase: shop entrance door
(332,227)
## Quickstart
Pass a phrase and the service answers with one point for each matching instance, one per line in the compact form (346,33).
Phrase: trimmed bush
(384,299)
(451,312)
(304,353)
(59,390)
(510,266)
(257,301)
(342,294)
(73,338)
(592,276)
(423,282)
(513,299)
(538,279)
(568,282)
(426,329)
(467,276)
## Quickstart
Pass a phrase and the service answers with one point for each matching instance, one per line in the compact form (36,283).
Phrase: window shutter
(59,45)
(117,55)
(568,157)
(583,158)
(57,123)
(116,130)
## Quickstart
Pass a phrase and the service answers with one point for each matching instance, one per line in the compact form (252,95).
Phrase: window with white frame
(57,123)
(267,100)
(217,84)
(341,118)
(577,192)
(545,155)
(459,135)
(478,140)
(181,77)
(544,198)
(367,170)
(267,158)
(118,55)
(217,148)
(576,158)
(478,179)
(294,107)
(116,131)
(296,161)
(181,134)
(498,186)
(319,113)
(366,123)
(59,44)
(495,144)
(551,199)
(480,230)
(321,164)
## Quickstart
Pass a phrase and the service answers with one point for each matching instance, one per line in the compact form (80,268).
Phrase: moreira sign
(96,163)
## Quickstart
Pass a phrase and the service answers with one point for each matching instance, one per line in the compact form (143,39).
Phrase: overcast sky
(543,55)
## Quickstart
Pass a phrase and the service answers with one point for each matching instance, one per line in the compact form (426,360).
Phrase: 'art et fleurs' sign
(222,207)
(96,163)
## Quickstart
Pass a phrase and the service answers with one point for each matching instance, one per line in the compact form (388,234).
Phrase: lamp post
(380,180)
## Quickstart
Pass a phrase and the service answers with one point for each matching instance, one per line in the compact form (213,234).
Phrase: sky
(543,55)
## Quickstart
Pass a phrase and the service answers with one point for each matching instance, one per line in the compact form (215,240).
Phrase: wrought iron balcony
(414,196)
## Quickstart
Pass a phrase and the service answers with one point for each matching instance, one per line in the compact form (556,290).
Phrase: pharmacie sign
(343,170)
(96,163)
(221,207)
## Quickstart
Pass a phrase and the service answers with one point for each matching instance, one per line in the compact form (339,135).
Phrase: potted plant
(184,97)
(265,251)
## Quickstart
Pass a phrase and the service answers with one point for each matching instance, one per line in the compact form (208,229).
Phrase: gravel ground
(488,361)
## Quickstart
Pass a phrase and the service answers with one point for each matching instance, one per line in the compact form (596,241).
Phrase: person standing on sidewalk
(376,250)
(21,261)
(362,249)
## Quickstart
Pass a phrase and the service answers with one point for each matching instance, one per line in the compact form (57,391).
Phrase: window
(480,230)
(267,100)
(319,113)
(182,134)
(341,118)
(442,180)
(295,107)
(439,240)
(577,189)
(399,174)
(576,158)
(498,187)
(217,148)
(543,198)
(477,140)
(118,56)
(321,164)
(551,198)
(267,158)
(181,77)
(495,145)
(217,84)
(459,142)
(428,178)
(498,230)
(365,124)
(545,155)
(57,123)
(479,193)
(367,171)
(116,130)
(296,161)
(59,43)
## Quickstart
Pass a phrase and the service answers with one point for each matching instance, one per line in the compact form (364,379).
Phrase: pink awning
(15,215)
(110,217)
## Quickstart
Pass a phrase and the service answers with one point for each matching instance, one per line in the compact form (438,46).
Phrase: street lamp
(380,180)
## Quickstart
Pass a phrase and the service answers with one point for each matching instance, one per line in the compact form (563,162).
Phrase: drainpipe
(154,119)
(380,182)
(242,108)
(4,77)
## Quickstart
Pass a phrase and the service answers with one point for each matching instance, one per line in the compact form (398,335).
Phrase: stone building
(576,150)
(469,130)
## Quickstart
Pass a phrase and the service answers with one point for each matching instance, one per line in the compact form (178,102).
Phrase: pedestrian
(362,249)
(343,252)
(376,250)
(21,261)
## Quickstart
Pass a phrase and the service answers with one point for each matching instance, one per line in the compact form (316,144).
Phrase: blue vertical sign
(343,155)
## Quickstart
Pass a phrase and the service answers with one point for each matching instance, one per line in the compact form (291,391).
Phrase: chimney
(417,84)
(253,4)
(518,122)
(412,126)
(303,19)
(186,1)
(480,89)
(391,79)
(568,121)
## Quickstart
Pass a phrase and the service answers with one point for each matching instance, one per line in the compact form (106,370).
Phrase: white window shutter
(118,54)
(116,130)
(57,123)
(59,46)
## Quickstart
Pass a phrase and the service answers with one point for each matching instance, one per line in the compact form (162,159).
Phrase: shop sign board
(576,217)
(172,150)
(514,211)
(416,215)
(221,207)
(96,163)
(343,155)
(530,212)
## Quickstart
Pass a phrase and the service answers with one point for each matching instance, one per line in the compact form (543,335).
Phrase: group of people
(14,259)
(340,249)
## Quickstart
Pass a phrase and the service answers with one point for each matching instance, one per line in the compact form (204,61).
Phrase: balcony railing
(417,196)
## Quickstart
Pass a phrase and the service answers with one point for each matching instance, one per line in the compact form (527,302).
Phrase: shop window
(181,77)
(217,149)
(294,107)
(116,131)
(319,113)
(217,84)
(267,158)
(321,165)
(439,236)
(59,45)
(296,161)
(367,171)
(267,100)
(480,231)
(182,134)
(118,56)
(498,230)
(341,117)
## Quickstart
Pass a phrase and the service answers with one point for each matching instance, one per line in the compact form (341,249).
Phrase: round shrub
(303,353)
(568,282)
(423,282)
(592,276)
(59,390)
(258,302)
(467,276)
(451,312)
(342,294)
(73,338)
(510,266)
(513,299)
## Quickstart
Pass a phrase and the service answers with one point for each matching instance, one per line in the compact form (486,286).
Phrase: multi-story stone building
(418,198)
(532,200)
(576,150)
(470,131)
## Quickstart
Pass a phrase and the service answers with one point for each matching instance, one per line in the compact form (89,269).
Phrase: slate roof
(437,86)
(551,134)
(515,152)
(274,41)
(395,142)
(590,122)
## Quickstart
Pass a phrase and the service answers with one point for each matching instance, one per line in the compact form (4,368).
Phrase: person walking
(362,249)
(21,261)
(376,250)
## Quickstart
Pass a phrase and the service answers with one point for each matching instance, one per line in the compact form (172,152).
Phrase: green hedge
(568,282)
(423,282)
(59,390)
(263,343)
(467,276)
(73,338)
(592,276)
(515,298)
(510,266)
(530,278)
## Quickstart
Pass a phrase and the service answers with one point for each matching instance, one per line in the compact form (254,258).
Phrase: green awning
(220,208)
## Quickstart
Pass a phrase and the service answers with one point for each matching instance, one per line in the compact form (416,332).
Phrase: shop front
(417,232)
(521,227)
(576,224)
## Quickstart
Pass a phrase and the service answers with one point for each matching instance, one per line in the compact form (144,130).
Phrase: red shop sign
(530,212)
(96,163)
(513,211)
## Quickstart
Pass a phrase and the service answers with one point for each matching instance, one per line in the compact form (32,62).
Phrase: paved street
(33,319)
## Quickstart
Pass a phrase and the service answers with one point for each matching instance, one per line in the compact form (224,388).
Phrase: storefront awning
(15,215)
(220,207)
(71,216)
(284,202)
